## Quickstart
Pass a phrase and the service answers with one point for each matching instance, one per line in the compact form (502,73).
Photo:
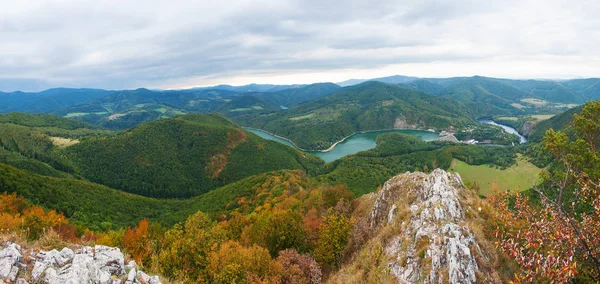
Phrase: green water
(353,144)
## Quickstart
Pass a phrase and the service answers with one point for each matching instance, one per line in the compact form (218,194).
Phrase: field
(303,116)
(535,102)
(540,117)
(520,176)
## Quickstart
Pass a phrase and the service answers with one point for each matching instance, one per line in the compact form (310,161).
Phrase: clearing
(520,176)
(63,142)
(303,116)
(535,102)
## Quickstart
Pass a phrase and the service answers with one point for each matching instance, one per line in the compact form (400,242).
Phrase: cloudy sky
(179,44)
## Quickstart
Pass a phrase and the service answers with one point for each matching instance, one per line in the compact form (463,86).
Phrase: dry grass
(63,142)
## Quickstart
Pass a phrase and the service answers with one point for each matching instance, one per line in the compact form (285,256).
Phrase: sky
(180,44)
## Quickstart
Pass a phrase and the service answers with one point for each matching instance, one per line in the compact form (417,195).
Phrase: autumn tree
(298,268)
(557,238)
(185,249)
(234,263)
(333,237)
(137,242)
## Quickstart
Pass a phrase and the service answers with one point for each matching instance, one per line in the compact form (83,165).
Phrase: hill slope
(561,122)
(182,157)
(368,106)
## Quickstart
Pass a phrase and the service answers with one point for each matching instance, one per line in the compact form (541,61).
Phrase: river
(522,139)
(358,142)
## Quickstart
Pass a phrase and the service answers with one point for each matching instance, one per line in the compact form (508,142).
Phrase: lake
(358,142)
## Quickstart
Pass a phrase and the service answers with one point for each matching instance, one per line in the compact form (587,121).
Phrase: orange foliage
(234,263)
(137,241)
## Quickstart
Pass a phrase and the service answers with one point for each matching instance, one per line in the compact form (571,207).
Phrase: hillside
(100,208)
(182,157)
(316,125)
(29,141)
(560,121)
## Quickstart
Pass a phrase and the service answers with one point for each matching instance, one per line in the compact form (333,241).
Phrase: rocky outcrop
(98,264)
(10,260)
(433,245)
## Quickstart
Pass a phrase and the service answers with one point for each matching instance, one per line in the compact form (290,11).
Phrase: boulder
(109,260)
(10,257)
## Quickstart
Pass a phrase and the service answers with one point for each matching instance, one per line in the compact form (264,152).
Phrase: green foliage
(333,238)
(182,157)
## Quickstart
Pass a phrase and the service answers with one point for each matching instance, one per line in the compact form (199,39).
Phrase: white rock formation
(97,265)
(438,248)
(10,257)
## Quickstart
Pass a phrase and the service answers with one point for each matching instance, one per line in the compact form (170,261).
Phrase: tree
(333,238)
(558,239)
(137,242)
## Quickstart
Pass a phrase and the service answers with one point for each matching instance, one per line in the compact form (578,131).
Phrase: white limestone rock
(10,257)
(434,223)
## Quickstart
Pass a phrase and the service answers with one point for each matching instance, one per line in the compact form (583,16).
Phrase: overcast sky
(179,44)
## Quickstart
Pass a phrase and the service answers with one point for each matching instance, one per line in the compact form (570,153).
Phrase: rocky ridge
(434,244)
(98,264)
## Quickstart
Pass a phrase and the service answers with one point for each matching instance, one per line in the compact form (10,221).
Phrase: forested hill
(562,122)
(182,157)
(369,106)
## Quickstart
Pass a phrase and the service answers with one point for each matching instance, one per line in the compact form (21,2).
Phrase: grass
(76,114)
(511,118)
(303,116)
(241,109)
(518,177)
(63,142)
(535,102)
(540,117)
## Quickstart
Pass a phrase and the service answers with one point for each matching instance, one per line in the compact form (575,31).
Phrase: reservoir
(358,142)
(506,128)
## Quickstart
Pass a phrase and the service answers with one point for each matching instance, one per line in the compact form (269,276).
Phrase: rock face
(434,245)
(99,264)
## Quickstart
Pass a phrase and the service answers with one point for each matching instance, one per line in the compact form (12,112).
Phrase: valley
(209,171)
(350,145)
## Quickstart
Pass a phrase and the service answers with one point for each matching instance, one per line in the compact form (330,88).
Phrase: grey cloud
(128,44)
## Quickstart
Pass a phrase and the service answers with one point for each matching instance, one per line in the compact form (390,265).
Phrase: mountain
(294,96)
(182,157)
(552,91)
(396,79)
(124,109)
(486,95)
(369,106)
(275,101)
(47,101)
(252,88)
(589,88)
(423,85)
